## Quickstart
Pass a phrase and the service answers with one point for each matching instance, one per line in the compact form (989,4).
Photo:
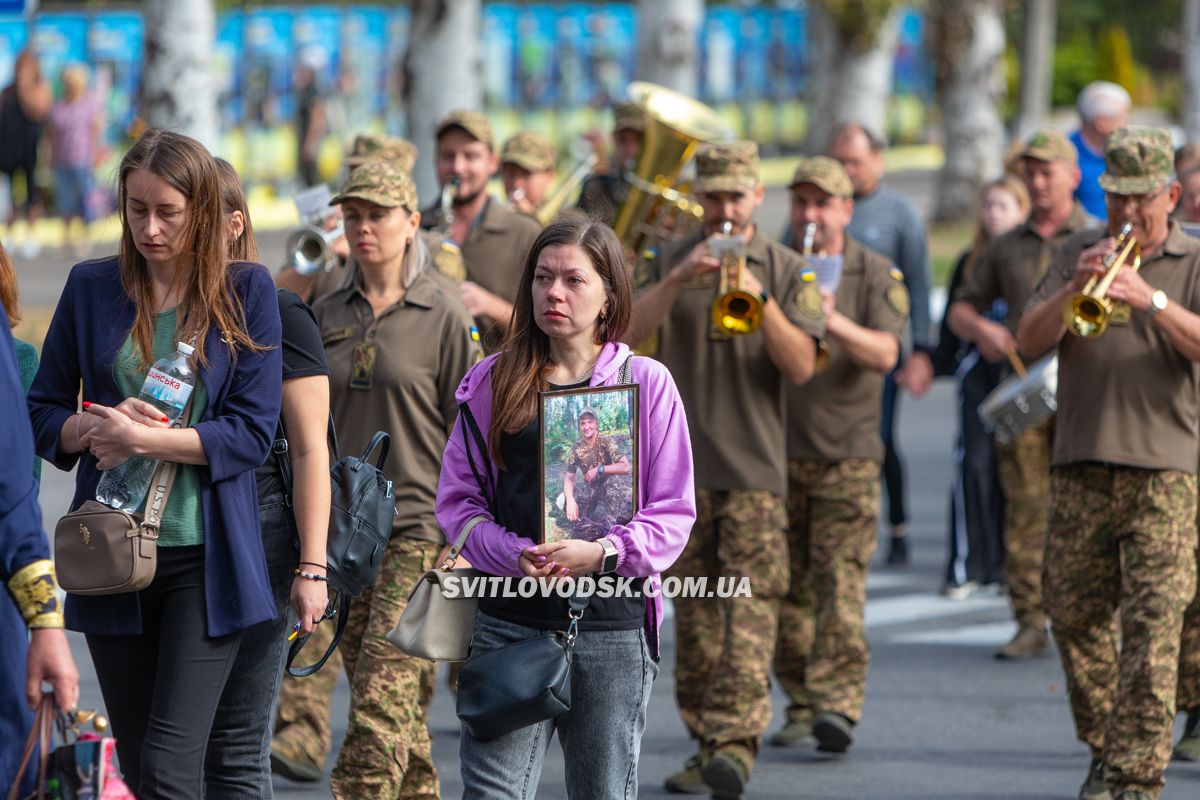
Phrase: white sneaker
(959,591)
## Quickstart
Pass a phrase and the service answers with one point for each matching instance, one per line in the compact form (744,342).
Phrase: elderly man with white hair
(1103,107)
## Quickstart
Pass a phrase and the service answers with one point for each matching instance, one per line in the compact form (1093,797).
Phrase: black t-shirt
(303,357)
(518,506)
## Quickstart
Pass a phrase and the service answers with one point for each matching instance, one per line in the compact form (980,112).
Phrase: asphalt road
(942,718)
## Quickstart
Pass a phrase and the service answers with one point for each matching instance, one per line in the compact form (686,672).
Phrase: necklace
(589,372)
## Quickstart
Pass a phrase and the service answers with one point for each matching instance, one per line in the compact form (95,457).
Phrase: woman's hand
(567,557)
(116,438)
(309,598)
(140,411)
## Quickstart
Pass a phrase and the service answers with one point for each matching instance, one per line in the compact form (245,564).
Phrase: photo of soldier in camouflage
(587,474)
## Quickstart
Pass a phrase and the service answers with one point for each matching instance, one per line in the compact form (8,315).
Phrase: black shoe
(294,769)
(834,733)
(727,776)
(897,552)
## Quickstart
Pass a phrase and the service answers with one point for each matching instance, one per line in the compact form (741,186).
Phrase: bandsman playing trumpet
(834,456)
(1008,270)
(493,239)
(733,389)
(527,163)
(1122,530)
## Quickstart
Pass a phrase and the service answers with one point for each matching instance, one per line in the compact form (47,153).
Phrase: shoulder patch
(897,299)
(808,298)
(449,261)
(896,274)
(807,274)
(473,334)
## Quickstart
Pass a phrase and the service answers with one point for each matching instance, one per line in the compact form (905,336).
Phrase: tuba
(1088,312)
(735,311)
(565,191)
(821,362)
(309,249)
(675,126)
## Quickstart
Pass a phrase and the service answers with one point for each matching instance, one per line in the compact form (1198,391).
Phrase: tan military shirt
(1128,396)
(497,244)
(1011,265)
(731,390)
(424,345)
(835,416)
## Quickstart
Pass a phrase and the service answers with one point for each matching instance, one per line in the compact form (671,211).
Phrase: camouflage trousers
(1187,696)
(1121,539)
(822,654)
(1024,469)
(724,647)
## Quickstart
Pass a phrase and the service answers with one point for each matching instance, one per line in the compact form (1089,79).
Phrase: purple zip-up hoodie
(656,535)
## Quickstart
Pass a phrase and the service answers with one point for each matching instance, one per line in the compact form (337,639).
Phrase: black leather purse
(520,684)
(360,526)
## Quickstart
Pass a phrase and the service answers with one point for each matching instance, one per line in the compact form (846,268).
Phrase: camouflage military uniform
(377,147)
(1188,694)
(833,508)
(601,503)
(1121,538)
(1024,467)
(721,681)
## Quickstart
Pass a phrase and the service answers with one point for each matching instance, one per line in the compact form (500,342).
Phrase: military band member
(527,164)
(733,389)
(834,455)
(1008,270)
(1122,531)
(494,240)
(604,192)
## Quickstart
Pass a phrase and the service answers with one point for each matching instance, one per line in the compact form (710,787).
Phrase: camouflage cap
(591,411)
(824,173)
(1136,160)
(1049,144)
(473,123)
(529,150)
(383,183)
(727,167)
(376,146)
(628,117)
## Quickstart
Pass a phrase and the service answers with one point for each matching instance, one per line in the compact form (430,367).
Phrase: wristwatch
(1158,301)
(609,564)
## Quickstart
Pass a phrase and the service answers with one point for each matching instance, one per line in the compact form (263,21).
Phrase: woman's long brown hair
(8,288)
(209,300)
(1013,185)
(519,372)
(233,198)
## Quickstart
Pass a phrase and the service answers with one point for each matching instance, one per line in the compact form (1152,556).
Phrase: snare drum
(1019,403)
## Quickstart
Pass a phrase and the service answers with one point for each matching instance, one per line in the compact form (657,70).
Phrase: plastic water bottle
(168,386)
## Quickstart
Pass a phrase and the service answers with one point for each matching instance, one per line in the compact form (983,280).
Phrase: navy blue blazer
(93,319)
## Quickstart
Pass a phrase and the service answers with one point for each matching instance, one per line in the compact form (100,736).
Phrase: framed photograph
(589,461)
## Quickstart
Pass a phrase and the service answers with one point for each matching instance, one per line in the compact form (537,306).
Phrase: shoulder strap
(626,374)
(164,479)
(343,616)
(471,433)
(283,458)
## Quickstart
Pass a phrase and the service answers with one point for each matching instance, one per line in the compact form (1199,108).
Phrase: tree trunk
(1037,65)
(443,74)
(1191,69)
(972,42)
(668,31)
(177,87)
(848,82)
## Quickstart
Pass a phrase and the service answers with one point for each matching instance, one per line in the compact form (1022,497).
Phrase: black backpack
(360,526)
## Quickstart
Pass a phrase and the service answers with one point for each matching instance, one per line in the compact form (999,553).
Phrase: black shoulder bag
(360,526)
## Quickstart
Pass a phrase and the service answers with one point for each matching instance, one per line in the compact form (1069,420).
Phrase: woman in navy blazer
(163,654)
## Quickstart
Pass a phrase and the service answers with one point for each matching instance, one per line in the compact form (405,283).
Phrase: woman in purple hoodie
(573,304)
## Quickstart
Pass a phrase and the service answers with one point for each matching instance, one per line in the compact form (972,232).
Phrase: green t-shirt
(182,524)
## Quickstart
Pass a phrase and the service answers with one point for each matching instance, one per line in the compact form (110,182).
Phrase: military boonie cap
(729,167)
(628,117)
(1137,160)
(473,123)
(529,150)
(380,182)
(376,146)
(824,173)
(1048,144)
(589,412)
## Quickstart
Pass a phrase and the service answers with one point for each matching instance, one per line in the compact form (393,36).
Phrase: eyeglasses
(1129,201)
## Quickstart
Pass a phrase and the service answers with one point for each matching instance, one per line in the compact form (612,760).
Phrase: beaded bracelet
(315,564)
(312,576)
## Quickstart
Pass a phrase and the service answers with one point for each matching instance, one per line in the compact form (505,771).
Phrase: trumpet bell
(1087,316)
(308,249)
(737,312)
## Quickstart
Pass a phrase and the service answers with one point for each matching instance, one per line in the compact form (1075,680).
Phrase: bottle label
(166,390)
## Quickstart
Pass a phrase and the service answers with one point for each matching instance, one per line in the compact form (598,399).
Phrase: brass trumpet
(1088,313)
(566,191)
(309,249)
(735,311)
(446,204)
(822,357)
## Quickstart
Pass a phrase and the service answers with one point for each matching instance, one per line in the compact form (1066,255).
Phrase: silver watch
(609,564)
(1158,302)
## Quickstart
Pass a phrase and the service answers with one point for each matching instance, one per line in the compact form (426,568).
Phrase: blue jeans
(71,188)
(601,736)
(238,760)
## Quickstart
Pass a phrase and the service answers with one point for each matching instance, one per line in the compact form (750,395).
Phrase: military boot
(1188,748)
(834,733)
(1134,794)
(1095,786)
(1028,643)
(793,734)
(688,780)
(727,773)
